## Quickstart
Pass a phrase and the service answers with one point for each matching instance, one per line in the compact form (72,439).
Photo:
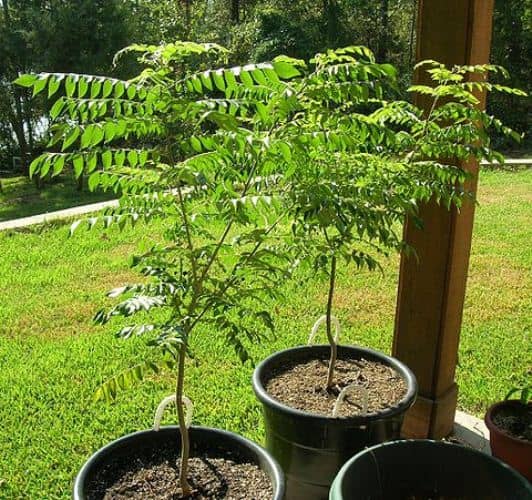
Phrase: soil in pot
(515,420)
(151,474)
(310,445)
(301,384)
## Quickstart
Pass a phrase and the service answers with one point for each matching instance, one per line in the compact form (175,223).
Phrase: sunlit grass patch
(52,357)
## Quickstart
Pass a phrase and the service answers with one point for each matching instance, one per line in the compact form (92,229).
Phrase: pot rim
(276,476)
(490,424)
(335,487)
(406,402)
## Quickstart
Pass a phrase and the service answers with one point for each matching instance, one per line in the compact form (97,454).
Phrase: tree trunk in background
(330,14)
(412,34)
(17,122)
(188,18)
(17,117)
(5,4)
(515,42)
(26,103)
(235,11)
(385,25)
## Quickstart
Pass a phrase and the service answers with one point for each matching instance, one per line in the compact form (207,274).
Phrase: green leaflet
(128,378)
(53,85)
(70,138)
(58,164)
(26,80)
(40,85)
(78,164)
(107,159)
(83,87)
(285,70)
(56,109)
(107,88)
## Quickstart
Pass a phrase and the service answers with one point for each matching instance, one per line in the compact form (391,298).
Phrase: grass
(53,357)
(20,197)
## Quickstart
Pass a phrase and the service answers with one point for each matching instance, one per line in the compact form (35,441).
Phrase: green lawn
(20,198)
(52,357)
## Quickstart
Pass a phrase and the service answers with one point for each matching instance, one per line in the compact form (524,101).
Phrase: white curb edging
(59,214)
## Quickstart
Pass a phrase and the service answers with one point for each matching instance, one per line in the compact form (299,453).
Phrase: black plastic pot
(215,442)
(427,469)
(311,448)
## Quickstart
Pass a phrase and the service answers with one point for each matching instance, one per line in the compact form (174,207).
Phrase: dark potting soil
(152,474)
(302,385)
(515,420)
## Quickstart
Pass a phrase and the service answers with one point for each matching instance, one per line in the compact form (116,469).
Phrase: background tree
(82,35)
(78,35)
(512,48)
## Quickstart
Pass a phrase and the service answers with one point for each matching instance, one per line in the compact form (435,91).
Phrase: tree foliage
(193,145)
(512,48)
(231,156)
(82,35)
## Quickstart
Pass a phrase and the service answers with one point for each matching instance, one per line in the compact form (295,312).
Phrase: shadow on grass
(21,198)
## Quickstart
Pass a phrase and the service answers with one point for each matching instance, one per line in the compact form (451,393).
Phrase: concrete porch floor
(471,431)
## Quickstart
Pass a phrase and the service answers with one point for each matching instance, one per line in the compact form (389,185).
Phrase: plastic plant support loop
(323,319)
(162,406)
(345,391)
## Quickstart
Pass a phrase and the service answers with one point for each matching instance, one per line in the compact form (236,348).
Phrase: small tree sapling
(376,160)
(197,147)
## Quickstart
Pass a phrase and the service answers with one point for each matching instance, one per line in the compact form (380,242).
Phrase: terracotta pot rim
(490,424)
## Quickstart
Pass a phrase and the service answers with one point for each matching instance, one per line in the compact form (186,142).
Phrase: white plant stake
(162,406)
(318,323)
(345,391)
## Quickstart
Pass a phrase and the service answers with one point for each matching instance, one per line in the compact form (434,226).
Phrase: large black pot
(311,448)
(427,469)
(215,442)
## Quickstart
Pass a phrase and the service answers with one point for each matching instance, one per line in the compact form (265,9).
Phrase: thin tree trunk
(330,337)
(412,33)
(330,14)
(17,122)
(188,19)
(27,126)
(5,4)
(385,24)
(17,117)
(235,11)
(185,439)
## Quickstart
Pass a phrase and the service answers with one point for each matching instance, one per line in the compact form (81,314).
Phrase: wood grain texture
(431,291)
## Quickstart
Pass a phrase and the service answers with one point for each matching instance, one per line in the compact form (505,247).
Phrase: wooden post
(431,292)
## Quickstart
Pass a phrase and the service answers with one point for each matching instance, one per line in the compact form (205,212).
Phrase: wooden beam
(432,290)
